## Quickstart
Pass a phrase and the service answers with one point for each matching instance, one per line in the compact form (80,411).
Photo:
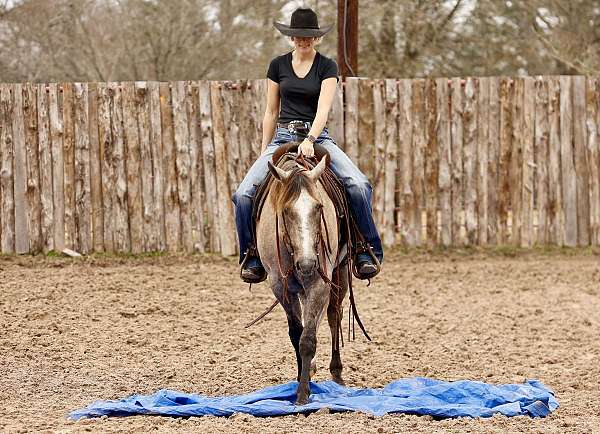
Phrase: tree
(114,40)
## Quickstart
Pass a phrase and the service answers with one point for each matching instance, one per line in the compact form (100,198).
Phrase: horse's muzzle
(306,266)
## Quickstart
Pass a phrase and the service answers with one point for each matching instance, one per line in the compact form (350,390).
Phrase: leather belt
(295,126)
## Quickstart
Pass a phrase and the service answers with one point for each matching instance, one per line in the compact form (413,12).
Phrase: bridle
(322,246)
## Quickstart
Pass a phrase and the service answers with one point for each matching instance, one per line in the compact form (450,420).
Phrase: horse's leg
(295,329)
(334,317)
(293,311)
(314,306)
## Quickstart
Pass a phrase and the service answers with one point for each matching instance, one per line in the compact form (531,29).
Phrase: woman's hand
(306,148)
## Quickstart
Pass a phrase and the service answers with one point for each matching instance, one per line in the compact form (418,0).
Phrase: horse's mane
(286,192)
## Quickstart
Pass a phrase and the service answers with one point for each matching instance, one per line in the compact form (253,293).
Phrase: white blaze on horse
(297,239)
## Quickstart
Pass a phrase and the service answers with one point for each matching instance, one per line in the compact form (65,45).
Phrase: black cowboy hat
(304,23)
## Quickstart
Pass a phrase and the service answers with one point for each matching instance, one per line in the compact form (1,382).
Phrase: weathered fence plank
(581,161)
(366,129)
(225,224)
(555,213)
(58,167)
(253,131)
(351,118)
(245,130)
(172,222)
(107,170)
(261,97)
(183,163)
(469,159)
(97,212)
(234,131)
(418,148)
(378,152)
(208,160)
(45,161)
(197,167)
(134,181)
(336,117)
(156,146)
(542,135)
(593,141)
(482,162)
(33,167)
(259,90)
(456,97)
(20,172)
(69,164)
(516,163)
(405,132)
(7,198)
(528,164)
(444,138)
(231,135)
(122,234)
(431,163)
(391,163)
(567,162)
(506,126)
(83,203)
(493,166)
(141,112)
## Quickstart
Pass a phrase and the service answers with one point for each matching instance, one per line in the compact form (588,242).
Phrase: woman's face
(304,45)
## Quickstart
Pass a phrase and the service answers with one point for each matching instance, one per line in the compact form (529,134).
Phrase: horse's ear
(279,174)
(318,169)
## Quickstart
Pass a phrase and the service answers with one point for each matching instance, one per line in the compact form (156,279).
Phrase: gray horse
(297,239)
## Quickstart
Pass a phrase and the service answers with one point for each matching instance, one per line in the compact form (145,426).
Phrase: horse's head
(297,204)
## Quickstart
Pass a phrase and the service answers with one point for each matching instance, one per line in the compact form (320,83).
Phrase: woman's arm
(328,88)
(271,114)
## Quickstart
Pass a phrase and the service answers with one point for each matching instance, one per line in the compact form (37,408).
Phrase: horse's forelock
(287,192)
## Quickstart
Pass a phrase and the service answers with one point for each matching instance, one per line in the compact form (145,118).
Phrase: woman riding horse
(300,90)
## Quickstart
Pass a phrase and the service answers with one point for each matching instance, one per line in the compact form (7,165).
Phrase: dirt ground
(76,330)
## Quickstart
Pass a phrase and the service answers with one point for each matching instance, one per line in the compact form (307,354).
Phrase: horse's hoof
(302,394)
(339,380)
(302,400)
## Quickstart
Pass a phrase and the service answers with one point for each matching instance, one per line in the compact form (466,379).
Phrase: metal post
(348,37)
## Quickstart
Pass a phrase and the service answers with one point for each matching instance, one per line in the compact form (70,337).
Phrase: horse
(297,239)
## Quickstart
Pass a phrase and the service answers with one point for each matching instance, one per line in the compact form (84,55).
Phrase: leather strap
(303,125)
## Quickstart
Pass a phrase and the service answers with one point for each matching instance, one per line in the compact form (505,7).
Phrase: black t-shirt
(300,96)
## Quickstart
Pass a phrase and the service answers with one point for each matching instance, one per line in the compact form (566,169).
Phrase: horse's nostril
(306,266)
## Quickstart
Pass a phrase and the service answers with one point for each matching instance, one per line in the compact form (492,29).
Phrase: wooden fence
(148,166)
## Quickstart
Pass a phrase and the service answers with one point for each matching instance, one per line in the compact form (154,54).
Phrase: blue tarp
(423,396)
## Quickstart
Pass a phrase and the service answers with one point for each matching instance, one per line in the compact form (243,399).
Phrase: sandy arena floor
(73,331)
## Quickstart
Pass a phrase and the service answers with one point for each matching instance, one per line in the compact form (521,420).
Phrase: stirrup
(250,253)
(362,247)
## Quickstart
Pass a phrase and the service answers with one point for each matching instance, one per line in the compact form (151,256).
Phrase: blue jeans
(358,190)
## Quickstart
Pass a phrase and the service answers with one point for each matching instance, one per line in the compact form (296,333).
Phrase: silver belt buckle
(292,126)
